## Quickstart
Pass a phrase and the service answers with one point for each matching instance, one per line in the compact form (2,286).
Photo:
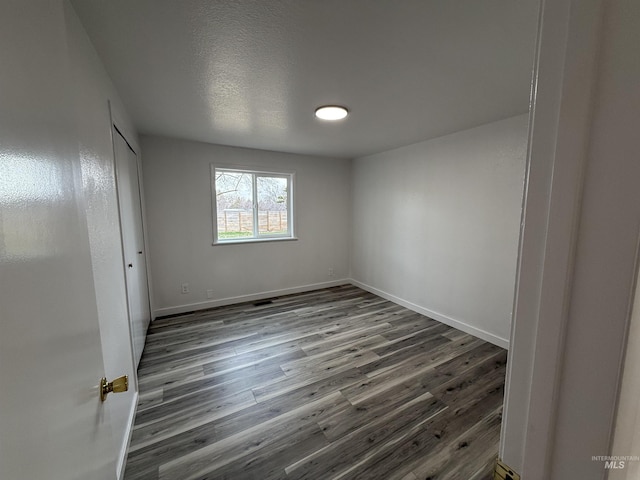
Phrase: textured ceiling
(251,72)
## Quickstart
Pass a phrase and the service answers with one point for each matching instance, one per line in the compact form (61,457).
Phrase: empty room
(301,239)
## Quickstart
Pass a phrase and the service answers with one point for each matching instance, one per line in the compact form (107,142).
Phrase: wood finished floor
(330,384)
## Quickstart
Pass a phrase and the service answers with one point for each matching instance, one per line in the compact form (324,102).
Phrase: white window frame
(255,174)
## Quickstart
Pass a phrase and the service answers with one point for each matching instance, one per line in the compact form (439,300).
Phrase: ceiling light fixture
(331,112)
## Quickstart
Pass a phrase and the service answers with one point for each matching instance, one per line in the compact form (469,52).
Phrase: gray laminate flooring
(330,384)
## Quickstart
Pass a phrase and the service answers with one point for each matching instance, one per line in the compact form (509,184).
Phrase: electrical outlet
(185,288)
(331,273)
(209,293)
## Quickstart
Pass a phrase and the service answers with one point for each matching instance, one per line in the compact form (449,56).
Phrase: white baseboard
(124,449)
(476,332)
(161,312)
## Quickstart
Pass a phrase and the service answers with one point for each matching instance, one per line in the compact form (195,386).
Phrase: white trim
(190,307)
(452,322)
(124,449)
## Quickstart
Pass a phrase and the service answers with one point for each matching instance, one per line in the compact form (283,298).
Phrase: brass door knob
(120,384)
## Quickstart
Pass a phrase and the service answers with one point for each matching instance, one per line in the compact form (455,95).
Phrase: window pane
(234,204)
(272,205)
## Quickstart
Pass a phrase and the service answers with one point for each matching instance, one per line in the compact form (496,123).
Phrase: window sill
(253,240)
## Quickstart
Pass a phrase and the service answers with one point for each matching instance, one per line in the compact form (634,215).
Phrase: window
(251,205)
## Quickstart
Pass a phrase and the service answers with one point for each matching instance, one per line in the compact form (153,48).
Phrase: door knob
(120,384)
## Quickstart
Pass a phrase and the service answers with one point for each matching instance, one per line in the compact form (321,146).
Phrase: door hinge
(504,472)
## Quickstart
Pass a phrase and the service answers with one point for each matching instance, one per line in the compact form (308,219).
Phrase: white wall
(436,225)
(92,90)
(177,184)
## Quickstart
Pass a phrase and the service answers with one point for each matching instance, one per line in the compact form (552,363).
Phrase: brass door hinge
(504,472)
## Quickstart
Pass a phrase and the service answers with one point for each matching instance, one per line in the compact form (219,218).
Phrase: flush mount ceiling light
(331,112)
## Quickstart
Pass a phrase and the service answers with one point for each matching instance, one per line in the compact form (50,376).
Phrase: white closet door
(133,243)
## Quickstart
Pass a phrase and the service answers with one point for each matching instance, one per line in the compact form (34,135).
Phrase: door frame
(624,395)
(559,249)
(562,83)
